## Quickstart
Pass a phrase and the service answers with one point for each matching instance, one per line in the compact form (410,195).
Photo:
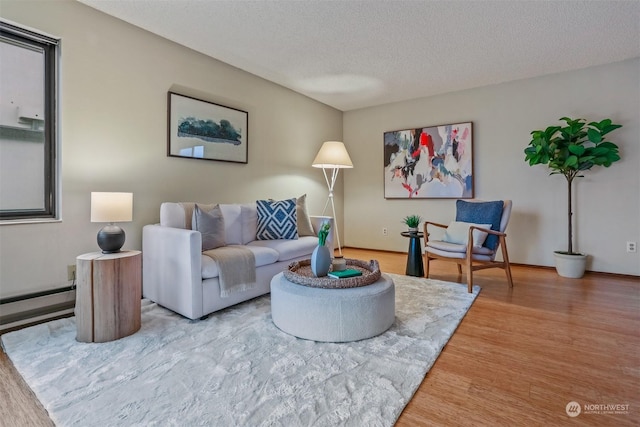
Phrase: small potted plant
(570,150)
(323,233)
(412,221)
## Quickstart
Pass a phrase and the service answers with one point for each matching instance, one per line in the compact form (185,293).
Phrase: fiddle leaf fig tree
(569,150)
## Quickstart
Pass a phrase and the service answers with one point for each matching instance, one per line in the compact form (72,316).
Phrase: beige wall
(607,201)
(115,79)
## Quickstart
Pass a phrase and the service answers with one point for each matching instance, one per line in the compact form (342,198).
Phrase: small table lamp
(111,207)
(332,155)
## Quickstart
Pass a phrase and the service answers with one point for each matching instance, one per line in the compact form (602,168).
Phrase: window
(28,124)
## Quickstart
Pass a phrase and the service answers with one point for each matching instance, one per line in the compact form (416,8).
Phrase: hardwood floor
(518,358)
(521,355)
(18,405)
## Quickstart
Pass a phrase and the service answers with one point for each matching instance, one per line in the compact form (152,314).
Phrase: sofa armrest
(317,221)
(172,269)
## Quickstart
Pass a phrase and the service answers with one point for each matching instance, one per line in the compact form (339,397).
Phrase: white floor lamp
(332,156)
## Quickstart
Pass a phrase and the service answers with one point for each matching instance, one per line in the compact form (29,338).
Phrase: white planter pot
(571,266)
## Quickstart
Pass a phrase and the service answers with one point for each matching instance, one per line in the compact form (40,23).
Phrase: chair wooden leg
(505,258)
(469,276)
(459,271)
(426,264)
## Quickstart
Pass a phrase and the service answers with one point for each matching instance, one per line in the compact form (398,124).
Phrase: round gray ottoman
(332,315)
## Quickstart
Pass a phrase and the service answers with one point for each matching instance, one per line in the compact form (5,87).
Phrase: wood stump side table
(108,295)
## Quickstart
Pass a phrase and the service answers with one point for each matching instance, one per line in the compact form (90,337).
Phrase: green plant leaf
(572,122)
(613,157)
(600,160)
(578,150)
(599,151)
(585,165)
(608,145)
(610,128)
(576,126)
(572,161)
(594,136)
(549,132)
(601,124)
(605,126)
(566,133)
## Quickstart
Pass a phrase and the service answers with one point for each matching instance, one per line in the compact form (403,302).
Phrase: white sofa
(176,274)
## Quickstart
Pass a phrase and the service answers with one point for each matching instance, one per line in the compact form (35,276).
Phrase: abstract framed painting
(429,162)
(204,130)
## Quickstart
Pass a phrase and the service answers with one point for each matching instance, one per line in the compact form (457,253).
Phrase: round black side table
(414,257)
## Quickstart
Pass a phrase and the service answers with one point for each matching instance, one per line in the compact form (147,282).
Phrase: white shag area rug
(236,368)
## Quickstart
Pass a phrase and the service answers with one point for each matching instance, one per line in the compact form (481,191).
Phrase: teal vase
(320,261)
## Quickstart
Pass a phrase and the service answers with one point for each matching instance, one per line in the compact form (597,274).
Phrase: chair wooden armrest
(434,224)
(500,234)
(426,233)
(486,230)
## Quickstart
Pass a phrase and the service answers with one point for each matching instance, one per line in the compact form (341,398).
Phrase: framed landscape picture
(203,130)
(429,162)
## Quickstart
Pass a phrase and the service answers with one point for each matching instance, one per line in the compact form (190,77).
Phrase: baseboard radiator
(24,310)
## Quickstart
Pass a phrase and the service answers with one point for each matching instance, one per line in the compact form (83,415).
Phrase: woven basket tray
(300,272)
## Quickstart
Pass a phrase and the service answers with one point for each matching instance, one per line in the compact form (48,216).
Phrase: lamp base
(111,239)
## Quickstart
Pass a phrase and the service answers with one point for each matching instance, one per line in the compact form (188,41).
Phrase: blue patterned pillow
(277,220)
(482,213)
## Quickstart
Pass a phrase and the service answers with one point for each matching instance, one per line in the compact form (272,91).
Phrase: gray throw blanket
(237,267)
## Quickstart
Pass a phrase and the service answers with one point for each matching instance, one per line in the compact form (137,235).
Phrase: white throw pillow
(458,232)
(249,219)
(232,223)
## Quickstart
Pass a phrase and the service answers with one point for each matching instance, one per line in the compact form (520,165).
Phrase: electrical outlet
(71,272)
(631,246)
(385,232)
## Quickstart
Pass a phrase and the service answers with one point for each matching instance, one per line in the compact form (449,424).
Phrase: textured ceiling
(352,54)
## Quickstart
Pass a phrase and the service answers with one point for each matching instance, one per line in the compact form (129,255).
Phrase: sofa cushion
(277,219)
(458,232)
(482,213)
(289,249)
(249,219)
(443,246)
(210,225)
(232,223)
(241,222)
(263,256)
(179,215)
